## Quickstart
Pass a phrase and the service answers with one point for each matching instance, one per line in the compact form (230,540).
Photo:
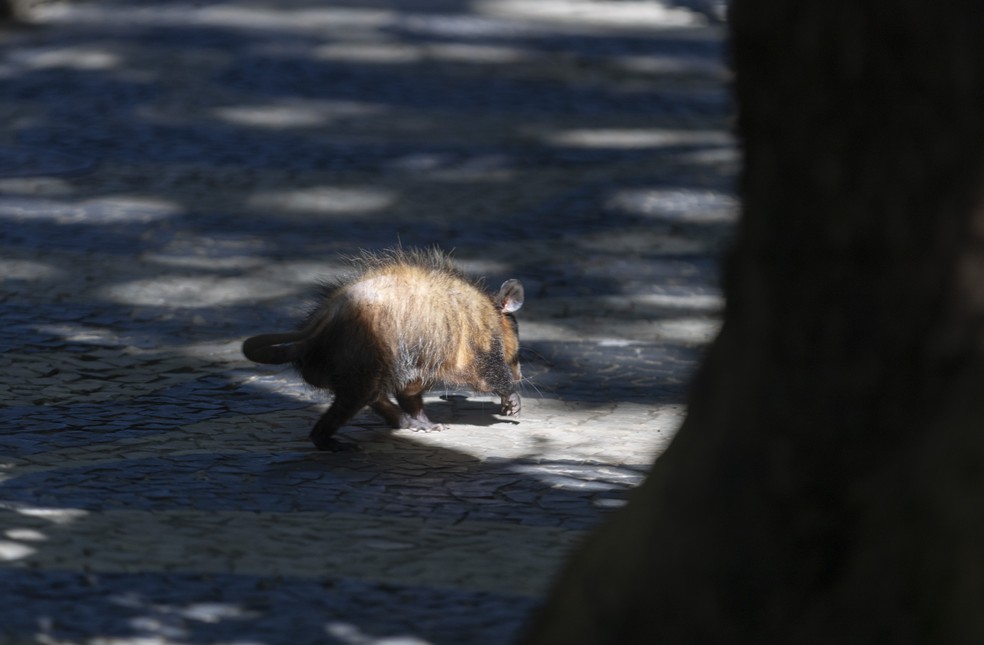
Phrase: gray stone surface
(176,176)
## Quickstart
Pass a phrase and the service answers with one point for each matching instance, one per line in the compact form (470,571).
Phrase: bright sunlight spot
(327,200)
(106,210)
(321,20)
(26,535)
(78,58)
(195,292)
(14,551)
(638,138)
(336,20)
(58,516)
(384,53)
(596,13)
(349,634)
(677,204)
(688,331)
(294,114)
(690,301)
(26,270)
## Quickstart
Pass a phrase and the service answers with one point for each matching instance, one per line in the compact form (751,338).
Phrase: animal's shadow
(465,410)
(448,411)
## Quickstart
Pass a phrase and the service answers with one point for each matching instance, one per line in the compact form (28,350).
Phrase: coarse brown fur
(403,321)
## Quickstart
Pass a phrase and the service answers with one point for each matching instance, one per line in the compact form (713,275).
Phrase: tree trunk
(827,485)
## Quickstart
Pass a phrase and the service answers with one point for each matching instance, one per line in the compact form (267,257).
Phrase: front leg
(498,378)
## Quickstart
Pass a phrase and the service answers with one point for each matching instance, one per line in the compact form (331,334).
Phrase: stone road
(175,176)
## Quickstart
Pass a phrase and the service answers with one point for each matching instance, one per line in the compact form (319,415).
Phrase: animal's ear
(510,296)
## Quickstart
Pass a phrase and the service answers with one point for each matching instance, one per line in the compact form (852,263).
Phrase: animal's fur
(404,320)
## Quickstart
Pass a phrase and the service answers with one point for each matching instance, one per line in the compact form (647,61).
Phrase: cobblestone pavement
(175,176)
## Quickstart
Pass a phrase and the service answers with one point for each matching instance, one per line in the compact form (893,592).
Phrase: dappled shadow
(176,178)
(225,521)
(291,156)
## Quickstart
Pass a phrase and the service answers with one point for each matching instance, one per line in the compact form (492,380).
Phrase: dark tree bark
(20,12)
(827,485)
(13,10)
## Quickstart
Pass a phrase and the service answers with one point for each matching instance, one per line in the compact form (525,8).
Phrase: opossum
(405,320)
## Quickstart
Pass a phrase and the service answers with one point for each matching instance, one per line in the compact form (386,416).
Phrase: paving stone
(175,177)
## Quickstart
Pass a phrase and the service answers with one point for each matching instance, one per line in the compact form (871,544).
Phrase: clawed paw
(420,424)
(434,427)
(511,404)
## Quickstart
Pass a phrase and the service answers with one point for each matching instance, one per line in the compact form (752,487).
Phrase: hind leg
(343,408)
(411,401)
(410,413)
(390,413)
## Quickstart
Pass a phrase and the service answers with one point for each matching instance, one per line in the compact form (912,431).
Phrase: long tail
(274,349)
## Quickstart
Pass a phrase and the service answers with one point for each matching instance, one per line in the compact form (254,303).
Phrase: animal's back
(426,321)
